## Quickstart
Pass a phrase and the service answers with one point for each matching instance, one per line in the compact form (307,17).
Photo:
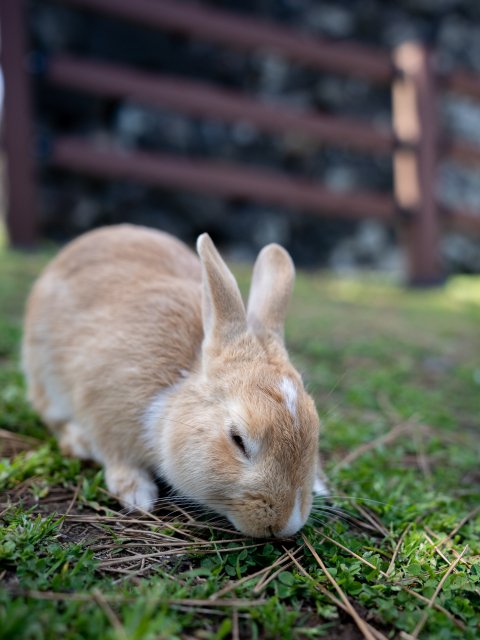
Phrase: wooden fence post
(415,159)
(17,126)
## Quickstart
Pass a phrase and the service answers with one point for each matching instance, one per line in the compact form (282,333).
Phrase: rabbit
(141,357)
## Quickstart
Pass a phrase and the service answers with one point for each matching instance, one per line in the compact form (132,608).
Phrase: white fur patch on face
(152,416)
(289,391)
(295,522)
(319,488)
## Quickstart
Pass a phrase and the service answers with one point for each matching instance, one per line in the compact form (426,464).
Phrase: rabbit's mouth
(259,517)
(254,517)
(280,517)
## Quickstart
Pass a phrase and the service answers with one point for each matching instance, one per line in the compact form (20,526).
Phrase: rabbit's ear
(270,291)
(223,311)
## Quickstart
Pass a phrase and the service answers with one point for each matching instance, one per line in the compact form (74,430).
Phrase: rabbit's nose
(295,522)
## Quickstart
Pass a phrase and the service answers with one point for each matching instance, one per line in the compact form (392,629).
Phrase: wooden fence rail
(414,141)
(205,100)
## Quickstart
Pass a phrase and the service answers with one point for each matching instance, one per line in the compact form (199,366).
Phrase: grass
(395,375)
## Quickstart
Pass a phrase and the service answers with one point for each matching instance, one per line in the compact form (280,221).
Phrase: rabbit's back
(128,251)
(114,319)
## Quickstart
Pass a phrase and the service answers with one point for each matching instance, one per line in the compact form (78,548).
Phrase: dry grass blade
(122,520)
(360,523)
(145,533)
(262,580)
(265,579)
(234,585)
(139,509)
(437,606)
(376,522)
(70,506)
(203,611)
(388,409)
(378,635)
(147,513)
(397,548)
(394,416)
(460,525)
(50,499)
(127,572)
(259,589)
(423,619)
(87,597)
(168,552)
(20,488)
(160,545)
(347,550)
(467,562)
(118,520)
(11,444)
(361,624)
(320,587)
(352,553)
(235,629)
(442,555)
(157,544)
(127,559)
(7,508)
(429,531)
(372,517)
(422,459)
(107,609)
(196,524)
(101,507)
(455,621)
(398,430)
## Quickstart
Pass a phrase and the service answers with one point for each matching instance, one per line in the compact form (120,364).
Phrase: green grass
(374,357)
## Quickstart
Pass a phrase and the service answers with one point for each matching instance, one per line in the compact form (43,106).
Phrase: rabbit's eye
(239,442)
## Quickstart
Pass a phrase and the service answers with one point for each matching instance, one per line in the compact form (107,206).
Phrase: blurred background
(71,198)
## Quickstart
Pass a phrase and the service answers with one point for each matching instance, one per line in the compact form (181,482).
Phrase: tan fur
(123,314)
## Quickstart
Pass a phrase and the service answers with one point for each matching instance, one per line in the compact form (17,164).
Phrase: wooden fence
(414,141)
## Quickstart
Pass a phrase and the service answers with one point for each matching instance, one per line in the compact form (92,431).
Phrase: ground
(395,375)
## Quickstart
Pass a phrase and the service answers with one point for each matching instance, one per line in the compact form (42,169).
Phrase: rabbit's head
(242,436)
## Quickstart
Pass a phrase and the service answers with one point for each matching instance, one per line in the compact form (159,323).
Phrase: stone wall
(71,204)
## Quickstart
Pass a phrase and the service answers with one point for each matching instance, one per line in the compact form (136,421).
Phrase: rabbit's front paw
(134,487)
(73,442)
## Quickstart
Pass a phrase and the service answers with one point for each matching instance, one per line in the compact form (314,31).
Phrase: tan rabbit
(141,357)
